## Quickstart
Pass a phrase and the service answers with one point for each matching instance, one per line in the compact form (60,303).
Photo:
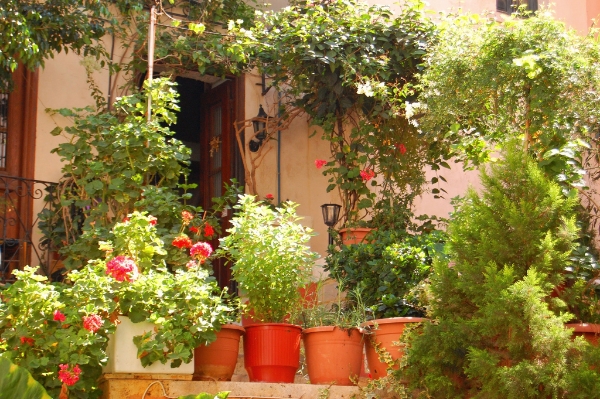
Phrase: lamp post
(331,214)
(259,124)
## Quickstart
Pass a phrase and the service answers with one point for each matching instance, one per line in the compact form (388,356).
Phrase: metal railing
(21,241)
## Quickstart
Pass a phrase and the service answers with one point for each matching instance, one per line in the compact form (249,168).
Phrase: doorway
(209,107)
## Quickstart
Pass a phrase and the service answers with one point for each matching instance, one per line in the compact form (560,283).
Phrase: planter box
(122,352)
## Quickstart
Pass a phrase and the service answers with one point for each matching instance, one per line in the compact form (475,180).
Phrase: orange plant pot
(354,235)
(216,361)
(586,330)
(333,355)
(272,352)
(385,332)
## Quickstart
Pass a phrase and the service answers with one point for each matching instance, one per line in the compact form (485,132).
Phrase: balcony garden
(491,299)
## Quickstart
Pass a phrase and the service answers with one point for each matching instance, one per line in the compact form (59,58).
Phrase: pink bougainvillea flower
(208,231)
(59,316)
(401,147)
(319,163)
(201,251)
(152,220)
(187,217)
(27,340)
(92,323)
(367,174)
(269,197)
(182,241)
(69,377)
(191,264)
(122,268)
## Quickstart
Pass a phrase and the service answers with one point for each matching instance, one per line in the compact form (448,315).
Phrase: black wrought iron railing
(21,241)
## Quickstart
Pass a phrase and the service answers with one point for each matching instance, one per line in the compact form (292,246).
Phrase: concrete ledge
(135,386)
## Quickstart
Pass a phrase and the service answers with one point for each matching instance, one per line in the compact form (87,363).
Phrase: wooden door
(217,157)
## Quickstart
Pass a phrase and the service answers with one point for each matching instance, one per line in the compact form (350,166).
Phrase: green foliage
(271,255)
(350,67)
(116,161)
(487,82)
(388,271)
(496,332)
(17,382)
(39,343)
(220,395)
(347,312)
(34,31)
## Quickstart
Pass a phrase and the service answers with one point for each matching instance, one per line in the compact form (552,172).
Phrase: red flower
(367,174)
(319,163)
(194,229)
(125,219)
(208,231)
(269,197)
(191,264)
(187,217)
(182,242)
(122,268)
(59,316)
(27,340)
(92,322)
(152,220)
(401,148)
(201,250)
(69,377)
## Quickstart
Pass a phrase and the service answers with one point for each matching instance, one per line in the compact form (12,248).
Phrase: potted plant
(389,273)
(272,261)
(333,340)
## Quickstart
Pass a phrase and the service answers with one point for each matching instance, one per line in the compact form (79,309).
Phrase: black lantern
(331,214)
(259,123)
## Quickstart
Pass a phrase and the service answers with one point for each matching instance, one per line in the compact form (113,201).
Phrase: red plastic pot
(384,332)
(216,361)
(354,235)
(272,352)
(586,330)
(333,355)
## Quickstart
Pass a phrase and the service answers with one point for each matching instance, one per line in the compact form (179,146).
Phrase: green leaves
(17,382)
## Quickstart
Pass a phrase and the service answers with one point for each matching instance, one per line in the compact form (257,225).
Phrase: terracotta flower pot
(355,235)
(272,352)
(384,333)
(589,331)
(216,361)
(333,355)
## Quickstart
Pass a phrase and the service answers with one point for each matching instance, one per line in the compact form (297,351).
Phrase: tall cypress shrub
(496,330)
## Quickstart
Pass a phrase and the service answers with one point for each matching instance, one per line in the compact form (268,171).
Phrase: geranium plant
(270,255)
(59,331)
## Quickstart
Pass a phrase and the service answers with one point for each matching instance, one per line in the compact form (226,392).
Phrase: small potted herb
(271,263)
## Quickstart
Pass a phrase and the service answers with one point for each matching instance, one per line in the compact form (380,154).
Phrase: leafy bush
(387,271)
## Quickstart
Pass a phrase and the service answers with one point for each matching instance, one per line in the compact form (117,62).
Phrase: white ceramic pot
(122,352)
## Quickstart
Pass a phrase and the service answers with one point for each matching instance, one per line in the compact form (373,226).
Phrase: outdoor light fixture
(331,214)
(259,123)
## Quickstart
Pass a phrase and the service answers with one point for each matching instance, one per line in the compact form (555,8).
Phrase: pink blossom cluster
(122,268)
(367,174)
(201,251)
(69,377)
(59,316)
(319,163)
(92,322)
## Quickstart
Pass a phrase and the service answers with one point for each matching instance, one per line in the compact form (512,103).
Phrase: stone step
(162,386)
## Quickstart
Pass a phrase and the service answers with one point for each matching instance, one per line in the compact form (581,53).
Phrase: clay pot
(355,235)
(216,361)
(589,331)
(333,355)
(272,352)
(383,335)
